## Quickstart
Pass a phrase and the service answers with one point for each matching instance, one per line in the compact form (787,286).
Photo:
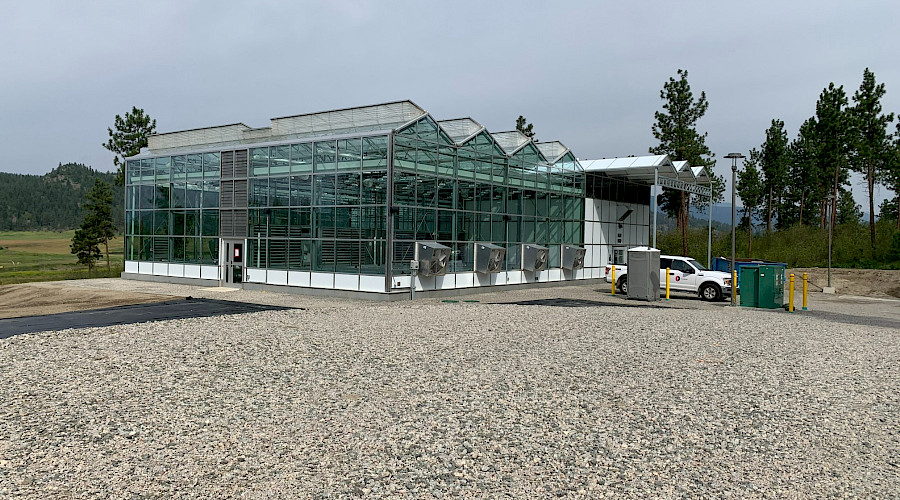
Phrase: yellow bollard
(613,271)
(667,283)
(734,287)
(791,294)
(805,279)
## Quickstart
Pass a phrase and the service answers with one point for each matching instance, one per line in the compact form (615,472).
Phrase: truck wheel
(710,292)
(622,284)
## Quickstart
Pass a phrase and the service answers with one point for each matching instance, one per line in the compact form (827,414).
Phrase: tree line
(805,181)
(786,183)
(53,201)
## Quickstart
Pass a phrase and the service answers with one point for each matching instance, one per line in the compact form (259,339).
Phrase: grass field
(28,256)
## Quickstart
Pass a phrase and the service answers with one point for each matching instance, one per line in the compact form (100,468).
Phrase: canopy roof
(644,169)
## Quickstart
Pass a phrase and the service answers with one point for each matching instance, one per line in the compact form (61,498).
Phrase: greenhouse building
(372,200)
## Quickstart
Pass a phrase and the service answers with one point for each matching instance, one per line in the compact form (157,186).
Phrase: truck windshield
(699,266)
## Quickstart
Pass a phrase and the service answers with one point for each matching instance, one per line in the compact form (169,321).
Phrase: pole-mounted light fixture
(734,158)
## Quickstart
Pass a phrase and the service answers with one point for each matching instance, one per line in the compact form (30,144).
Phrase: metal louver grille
(233,223)
(227,164)
(240,193)
(226,194)
(240,163)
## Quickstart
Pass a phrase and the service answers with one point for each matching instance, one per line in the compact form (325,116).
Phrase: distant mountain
(52,201)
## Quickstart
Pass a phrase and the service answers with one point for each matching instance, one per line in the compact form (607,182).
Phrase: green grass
(28,256)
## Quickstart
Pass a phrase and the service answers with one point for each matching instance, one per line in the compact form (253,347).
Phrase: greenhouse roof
(460,129)
(379,117)
(552,151)
(511,141)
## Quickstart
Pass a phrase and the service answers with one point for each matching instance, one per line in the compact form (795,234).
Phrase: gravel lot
(578,395)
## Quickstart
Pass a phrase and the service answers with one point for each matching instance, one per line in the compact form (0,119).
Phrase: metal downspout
(389,242)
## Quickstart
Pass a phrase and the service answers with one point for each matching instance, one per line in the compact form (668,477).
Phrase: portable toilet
(643,273)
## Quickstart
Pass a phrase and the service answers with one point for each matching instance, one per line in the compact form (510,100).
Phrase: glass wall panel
(210,194)
(302,158)
(375,152)
(301,190)
(194,167)
(280,191)
(211,166)
(259,192)
(374,188)
(179,169)
(279,160)
(348,185)
(349,154)
(259,162)
(326,156)
(324,189)
(163,168)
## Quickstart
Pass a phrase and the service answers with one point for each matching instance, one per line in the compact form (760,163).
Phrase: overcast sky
(586,73)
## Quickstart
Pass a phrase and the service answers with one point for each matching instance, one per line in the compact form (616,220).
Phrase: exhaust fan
(534,257)
(489,258)
(572,257)
(432,257)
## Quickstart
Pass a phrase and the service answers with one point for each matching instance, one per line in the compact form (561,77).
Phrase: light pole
(830,210)
(734,158)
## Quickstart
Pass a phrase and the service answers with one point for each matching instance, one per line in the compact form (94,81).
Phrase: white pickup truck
(685,275)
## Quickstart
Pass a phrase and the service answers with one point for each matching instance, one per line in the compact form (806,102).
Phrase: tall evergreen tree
(872,141)
(130,135)
(835,137)
(751,188)
(774,163)
(676,131)
(804,177)
(98,207)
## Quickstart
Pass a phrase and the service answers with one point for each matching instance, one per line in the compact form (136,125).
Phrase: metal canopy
(641,169)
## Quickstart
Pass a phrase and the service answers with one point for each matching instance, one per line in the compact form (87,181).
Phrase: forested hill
(52,201)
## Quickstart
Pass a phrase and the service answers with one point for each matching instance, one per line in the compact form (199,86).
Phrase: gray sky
(586,73)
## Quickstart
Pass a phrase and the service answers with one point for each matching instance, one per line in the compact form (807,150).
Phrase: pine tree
(751,188)
(804,176)
(676,131)
(835,134)
(523,126)
(872,141)
(774,163)
(130,135)
(98,208)
(86,246)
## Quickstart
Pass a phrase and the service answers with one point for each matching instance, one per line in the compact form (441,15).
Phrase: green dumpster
(770,289)
(750,286)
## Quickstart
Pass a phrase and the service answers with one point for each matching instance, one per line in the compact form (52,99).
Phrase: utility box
(750,286)
(771,287)
(762,286)
(643,273)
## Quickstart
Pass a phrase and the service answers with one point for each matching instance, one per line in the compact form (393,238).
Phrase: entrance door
(234,263)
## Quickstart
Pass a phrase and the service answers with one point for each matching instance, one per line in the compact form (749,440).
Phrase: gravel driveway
(435,399)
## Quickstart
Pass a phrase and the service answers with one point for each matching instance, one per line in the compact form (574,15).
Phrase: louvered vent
(240,163)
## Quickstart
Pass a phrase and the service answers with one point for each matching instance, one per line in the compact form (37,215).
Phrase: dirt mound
(862,282)
(30,299)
